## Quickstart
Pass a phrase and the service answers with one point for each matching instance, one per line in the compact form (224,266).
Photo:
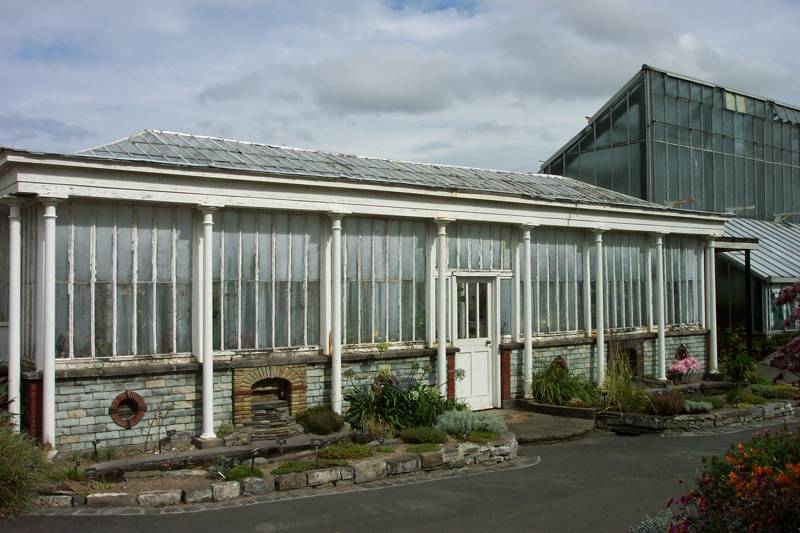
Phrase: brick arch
(245,378)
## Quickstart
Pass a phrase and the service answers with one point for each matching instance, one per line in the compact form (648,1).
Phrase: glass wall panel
(625,273)
(479,246)
(384,279)
(557,280)
(267,269)
(682,280)
(123,279)
(3,265)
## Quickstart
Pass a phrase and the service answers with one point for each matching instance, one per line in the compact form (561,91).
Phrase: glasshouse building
(171,279)
(692,144)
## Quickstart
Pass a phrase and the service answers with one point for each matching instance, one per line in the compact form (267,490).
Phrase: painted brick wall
(363,373)
(82,408)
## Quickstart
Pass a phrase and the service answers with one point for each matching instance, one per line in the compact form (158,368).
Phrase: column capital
(208,208)
(598,234)
(442,222)
(336,217)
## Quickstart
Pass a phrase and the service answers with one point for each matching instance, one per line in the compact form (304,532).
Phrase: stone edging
(691,423)
(556,410)
(450,457)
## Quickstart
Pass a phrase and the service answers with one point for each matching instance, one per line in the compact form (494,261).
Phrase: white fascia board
(8,182)
(243,190)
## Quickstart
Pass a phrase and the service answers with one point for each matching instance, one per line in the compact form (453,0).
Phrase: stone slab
(197,495)
(254,486)
(432,460)
(321,477)
(291,481)
(205,444)
(225,490)
(55,500)
(159,498)
(403,464)
(366,471)
(111,499)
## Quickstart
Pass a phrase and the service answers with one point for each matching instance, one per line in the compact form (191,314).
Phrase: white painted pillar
(430,288)
(49,328)
(701,280)
(39,343)
(527,311)
(660,311)
(208,325)
(325,336)
(587,286)
(600,308)
(648,285)
(441,306)
(711,307)
(14,312)
(515,293)
(336,312)
(197,294)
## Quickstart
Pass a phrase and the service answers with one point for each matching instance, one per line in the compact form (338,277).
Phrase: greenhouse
(182,276)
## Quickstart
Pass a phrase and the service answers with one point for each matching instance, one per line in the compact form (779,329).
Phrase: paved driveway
(599,483)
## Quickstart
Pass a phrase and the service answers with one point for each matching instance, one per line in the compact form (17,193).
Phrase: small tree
(787,358)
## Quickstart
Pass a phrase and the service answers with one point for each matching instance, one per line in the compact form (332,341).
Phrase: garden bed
(557,410)
(719,418)
(391,460)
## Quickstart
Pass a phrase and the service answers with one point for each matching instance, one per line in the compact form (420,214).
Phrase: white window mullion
(135,282)
(273,290)
(92,280)
(305,284)
(386,282)
(174,282)
(256,279)
(154,281)
(222,285)
(288,295)
(71,285)
(114,238)
(359,274)
(239,284)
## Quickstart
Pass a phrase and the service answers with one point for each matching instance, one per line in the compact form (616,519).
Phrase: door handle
(488,342)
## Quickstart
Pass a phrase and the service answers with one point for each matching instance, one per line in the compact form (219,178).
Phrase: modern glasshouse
(678,141)
(177,277)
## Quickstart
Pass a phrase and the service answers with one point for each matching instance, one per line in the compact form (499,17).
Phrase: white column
(701,280)
(711,307)
(515,293)
(49,328)
(14,313)
(197,295)
(208,325)
(441,306)
(527,311)
(600,308)
(325,336)
(660,311)
(39,343)
(336,312)
(587,286)
(430,288)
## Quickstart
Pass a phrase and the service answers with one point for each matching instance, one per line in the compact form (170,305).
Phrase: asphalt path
(599,483)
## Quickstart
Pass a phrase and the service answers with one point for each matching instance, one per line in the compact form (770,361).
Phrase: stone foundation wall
(358,373)
(82,406)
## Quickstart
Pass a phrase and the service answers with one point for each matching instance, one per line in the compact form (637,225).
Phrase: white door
(474,339)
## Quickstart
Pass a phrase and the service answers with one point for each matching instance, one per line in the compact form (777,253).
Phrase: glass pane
(483,309)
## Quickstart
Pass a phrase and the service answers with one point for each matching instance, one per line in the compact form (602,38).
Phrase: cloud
(15,127)
(245,86)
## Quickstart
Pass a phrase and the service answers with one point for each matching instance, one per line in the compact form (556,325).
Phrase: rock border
(720,418)
(450,457)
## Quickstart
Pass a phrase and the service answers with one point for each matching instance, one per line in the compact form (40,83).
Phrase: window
(123,280)
(265,280)
(557,280)
(625,273)
(3,265)
(682,256)
(479,246)
(384,280)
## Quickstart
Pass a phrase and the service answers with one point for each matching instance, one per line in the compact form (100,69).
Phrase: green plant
(425,447)
(741,395)
(296,467)
(754,487)
(108,453)
(780,392)
(556,386)
(738,365)
(345,449)
(383,448)
(225,429)
(621,391)
(482,437)
(715,401)
(376,429)
(461,423)
(243,471)
(668,404)
(423,435)
(222,466)
(695,407)
(320,420)
(23,467)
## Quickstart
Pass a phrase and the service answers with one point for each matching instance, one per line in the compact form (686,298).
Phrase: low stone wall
(720,418)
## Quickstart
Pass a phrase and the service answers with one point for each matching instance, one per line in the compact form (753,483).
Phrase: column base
(204,442)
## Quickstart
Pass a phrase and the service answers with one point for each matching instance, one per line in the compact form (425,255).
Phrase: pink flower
(684,366)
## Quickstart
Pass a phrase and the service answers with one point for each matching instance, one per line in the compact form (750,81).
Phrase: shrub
(423,435)
(23,467)
(345,449)
(296,467)
(320,420)
(754,487)
(621,392)
(780,392)
(715,401)
(243,471)
(387,402)
(695,407)
(738,364)
(461,423)
(376,429)
(653,524)
(556,386)
(225,429)
(482,437)
(109,453)
(383,448)
(668,404)
(424,447)
(743,395)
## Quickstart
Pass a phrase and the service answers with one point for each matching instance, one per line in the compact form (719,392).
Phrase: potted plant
(681,370)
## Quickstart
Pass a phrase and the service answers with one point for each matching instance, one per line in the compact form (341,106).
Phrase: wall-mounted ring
(127,409)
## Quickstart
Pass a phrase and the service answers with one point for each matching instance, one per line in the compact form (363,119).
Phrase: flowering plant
(684,366)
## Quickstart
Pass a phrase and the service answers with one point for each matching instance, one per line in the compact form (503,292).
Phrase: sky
(493,84)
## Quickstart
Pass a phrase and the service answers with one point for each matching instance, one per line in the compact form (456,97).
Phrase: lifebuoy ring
(127,409)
